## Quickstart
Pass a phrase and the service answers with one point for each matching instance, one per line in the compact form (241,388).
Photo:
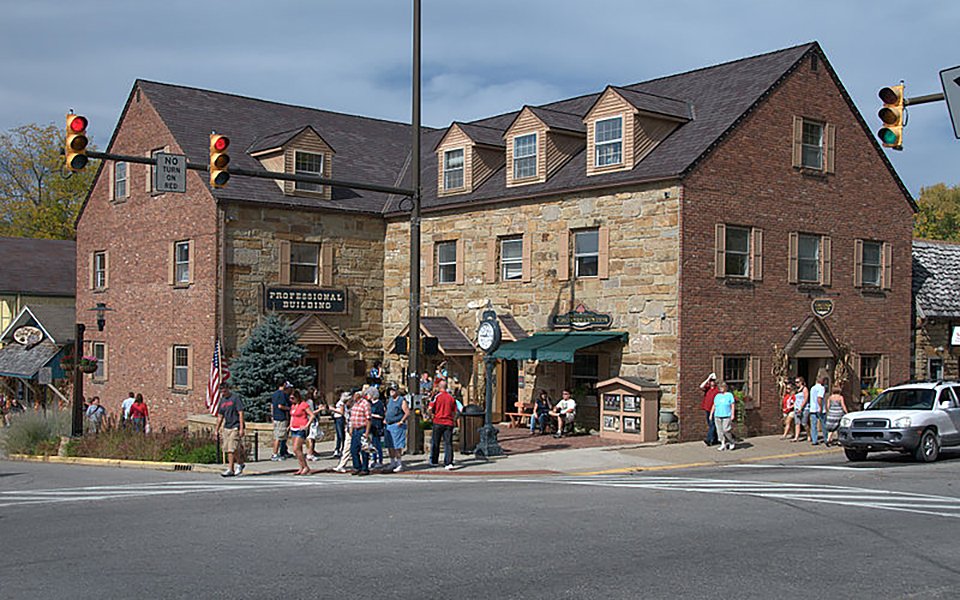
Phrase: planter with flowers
(87,364)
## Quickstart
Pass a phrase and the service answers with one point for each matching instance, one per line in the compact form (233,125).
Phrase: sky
(479,58)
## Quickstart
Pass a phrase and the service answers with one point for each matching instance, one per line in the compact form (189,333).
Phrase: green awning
(556,346)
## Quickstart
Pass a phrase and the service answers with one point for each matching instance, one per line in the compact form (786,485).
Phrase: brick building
(733,218)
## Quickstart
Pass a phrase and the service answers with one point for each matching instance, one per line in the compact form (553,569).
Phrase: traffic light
(219,160)
(76,143)
(893,114)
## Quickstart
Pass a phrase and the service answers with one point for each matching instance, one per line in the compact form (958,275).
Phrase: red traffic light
(78,123)
(221,143)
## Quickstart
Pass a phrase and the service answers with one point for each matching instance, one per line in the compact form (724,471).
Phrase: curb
(709,463)
(117,463)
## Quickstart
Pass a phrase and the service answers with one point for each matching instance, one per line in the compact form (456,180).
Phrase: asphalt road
(793,528)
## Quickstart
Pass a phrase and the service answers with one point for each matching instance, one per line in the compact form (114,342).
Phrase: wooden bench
(524,412)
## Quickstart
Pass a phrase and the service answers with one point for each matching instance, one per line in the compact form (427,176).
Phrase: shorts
(569,417)
(299,433)
(395,437)
(231,440)
(789,416)
(280,429)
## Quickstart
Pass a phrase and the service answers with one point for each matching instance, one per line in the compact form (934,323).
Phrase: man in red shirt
(444,412)
(710,391)
(359,427)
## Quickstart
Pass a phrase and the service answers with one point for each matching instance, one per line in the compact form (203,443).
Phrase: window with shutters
(308,163)
(608,141)
(99,270)
(525,156)
(871,267)
(812,145)
(869,371)
(181,262)
(100,353)
(453,169)
(586,253)
(735,371)
(446,262)
(737,252)
(808,258)
(511,258)
(181,367)
(304,263)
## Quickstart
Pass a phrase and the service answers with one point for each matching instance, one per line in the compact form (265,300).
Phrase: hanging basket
(87,368)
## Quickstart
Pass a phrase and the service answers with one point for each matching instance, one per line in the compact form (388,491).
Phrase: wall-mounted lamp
(101,310)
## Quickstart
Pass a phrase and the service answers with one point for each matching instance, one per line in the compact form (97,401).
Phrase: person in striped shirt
(359,428)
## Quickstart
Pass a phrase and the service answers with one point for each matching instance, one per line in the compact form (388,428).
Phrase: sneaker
(363,473)
(731,446)
(339,470)
(238,469)
(275,457)
(227,473)
(450,467)
(722,447)
(398,468)
(433,464)
(313,457)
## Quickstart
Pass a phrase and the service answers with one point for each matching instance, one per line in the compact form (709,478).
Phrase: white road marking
(811,467)
(928,504)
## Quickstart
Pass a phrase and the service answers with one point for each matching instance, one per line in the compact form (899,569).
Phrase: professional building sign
(822,307)
(305,301)
(580,318)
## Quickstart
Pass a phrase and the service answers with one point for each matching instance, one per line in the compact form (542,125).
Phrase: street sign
(950,79)
(170,174)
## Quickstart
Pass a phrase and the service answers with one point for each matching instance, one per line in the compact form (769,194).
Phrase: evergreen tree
(271,352)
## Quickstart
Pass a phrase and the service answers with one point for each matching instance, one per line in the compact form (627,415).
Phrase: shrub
(33,432)
(126,443)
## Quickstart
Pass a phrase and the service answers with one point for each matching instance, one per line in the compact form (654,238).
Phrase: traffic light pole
(923,99)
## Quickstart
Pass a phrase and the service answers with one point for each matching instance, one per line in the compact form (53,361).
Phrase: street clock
(488,334)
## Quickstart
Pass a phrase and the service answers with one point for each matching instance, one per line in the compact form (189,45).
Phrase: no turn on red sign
(170,174)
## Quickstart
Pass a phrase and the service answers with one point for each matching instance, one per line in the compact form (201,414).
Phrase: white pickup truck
(915,417)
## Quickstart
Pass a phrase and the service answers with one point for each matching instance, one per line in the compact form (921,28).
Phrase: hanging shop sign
(822,307)
(28,336)
(305,301)
(580,318)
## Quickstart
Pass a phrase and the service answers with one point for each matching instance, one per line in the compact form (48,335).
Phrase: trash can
(415,434)
(471,420)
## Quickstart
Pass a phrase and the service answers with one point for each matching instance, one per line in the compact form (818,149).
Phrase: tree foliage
(270,352)
(36,200)
(939,214)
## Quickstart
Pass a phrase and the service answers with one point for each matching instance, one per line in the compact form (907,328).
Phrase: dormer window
(453,169)
(608,134)
(308,163)
(525,156)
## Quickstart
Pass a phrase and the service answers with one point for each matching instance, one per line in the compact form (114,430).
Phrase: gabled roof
(652,103)
(58,323)
(42,267)
(451,339)
(936,278)
(276,140)
(559,120)
(479,134)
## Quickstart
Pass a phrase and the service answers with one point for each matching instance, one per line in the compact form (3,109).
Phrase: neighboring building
(936,319)
(33,345)
(701,218)
(35,273)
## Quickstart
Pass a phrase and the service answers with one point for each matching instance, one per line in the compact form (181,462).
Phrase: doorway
(508,385)
(810,368)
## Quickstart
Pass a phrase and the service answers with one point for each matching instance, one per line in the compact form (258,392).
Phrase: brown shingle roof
(45,267)
(653,103)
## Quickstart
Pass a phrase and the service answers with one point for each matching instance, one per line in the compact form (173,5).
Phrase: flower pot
(667,416)
(87,368)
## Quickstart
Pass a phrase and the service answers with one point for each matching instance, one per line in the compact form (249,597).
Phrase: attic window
(525,156)
(308,163)
(453,169)
(608,136)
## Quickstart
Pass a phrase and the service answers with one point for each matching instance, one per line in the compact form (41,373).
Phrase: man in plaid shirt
(359,426)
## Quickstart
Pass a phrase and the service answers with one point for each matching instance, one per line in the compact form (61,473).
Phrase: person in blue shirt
(280,411)
(722,413)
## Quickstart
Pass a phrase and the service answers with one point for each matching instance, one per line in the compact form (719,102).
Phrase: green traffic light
(887,136)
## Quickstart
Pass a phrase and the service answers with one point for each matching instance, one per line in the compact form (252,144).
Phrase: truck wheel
(929,448)
(855,454)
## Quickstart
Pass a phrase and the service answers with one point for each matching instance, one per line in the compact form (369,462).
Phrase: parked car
(914,417)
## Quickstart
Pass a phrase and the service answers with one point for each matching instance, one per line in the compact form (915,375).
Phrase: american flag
(218,373)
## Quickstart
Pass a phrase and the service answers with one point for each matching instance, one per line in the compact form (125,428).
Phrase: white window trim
(747,252)
(100,373)
(578,255)
(316,266)
(174,366)
(177,262)
(100,270)
(297,184)
(879,265)
(820,146)
(816,259)
(117,180)
(597,144)
(452,263)
(461,169)
(533,156)
(504,262)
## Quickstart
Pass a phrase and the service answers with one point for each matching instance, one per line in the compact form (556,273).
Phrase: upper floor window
(119,180)
(871,267)
(737,252)
(181,366)
(869,371)
(447,262)
(304,263)
(608,139)
(511,259)
(586,253)
(181,262)
(525,156)
(99,270)
(812,145)
(453,169)
(808,258)
(308,163)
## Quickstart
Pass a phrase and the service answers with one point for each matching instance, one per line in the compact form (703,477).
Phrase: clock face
(485,336)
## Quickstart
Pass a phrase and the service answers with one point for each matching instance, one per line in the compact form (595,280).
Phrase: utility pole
(413,333)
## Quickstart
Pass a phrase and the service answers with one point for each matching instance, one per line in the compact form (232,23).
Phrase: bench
(524,412)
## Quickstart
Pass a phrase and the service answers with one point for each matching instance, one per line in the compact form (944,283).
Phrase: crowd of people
(808,413)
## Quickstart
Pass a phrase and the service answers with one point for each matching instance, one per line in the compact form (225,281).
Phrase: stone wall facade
(932,342)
